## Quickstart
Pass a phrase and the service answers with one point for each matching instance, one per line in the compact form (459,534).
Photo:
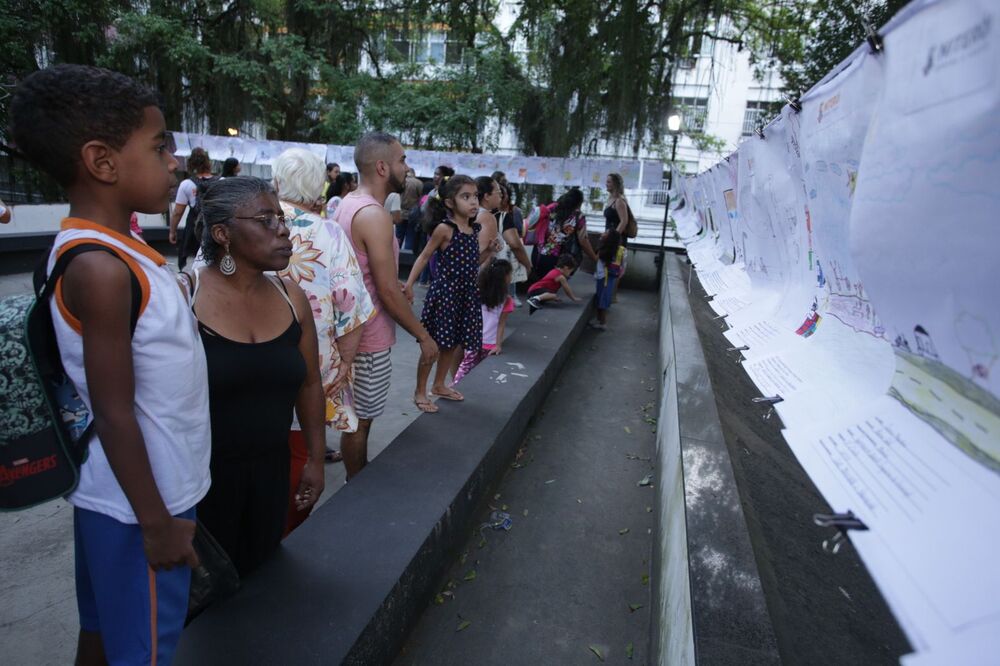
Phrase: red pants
(300,454)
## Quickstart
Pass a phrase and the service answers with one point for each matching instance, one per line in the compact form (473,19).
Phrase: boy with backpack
(102,136)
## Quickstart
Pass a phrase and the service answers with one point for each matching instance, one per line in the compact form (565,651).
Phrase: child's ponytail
(492,282)
(437,212)
(608,251)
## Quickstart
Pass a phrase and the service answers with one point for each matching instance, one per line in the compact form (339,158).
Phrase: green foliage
(321,70)
(827,32)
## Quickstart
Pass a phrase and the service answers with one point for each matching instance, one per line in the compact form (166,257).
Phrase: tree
(829,32)
(605,71)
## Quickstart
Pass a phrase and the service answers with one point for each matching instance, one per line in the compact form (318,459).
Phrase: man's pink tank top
(379,333)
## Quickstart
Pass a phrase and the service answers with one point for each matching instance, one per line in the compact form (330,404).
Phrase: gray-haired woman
(324,265)
(260,344)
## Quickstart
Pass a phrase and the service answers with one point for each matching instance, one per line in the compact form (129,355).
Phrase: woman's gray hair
(298,176)
(218,205)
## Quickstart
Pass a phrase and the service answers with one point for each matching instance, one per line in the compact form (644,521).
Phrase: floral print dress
(324,265)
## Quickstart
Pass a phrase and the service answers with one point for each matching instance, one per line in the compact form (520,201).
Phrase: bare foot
(447,393)
(424,404)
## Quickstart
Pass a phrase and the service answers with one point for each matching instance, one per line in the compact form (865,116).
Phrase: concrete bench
(348,584)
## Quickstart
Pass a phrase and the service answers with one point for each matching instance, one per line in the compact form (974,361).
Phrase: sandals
(425,405)
(451,394)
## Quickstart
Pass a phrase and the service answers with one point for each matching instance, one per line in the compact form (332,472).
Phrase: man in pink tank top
(382,163)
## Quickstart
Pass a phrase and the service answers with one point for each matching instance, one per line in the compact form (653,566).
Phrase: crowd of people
(218,403)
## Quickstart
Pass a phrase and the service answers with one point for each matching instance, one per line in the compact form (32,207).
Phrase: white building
(715,91)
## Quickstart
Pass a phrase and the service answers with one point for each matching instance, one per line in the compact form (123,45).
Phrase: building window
(756,114)
(693,112)
(422,47)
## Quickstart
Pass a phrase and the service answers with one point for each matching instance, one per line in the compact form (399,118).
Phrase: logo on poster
(962,45)
(826,107)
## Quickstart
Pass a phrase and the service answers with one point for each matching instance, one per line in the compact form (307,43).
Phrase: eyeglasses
(272,221)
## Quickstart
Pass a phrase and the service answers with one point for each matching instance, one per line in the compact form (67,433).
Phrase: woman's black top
(611,221)
(252,387)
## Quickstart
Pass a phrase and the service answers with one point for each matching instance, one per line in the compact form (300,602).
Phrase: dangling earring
(228,265)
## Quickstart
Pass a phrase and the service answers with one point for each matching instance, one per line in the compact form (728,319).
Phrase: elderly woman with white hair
(323,264)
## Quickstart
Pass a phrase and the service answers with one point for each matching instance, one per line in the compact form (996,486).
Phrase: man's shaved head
(371,148)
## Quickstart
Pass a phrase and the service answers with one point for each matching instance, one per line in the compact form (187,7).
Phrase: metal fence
(22,183)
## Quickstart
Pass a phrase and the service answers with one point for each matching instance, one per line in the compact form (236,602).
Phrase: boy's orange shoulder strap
(66,253)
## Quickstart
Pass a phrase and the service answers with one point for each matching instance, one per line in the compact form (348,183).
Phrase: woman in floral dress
(323,264)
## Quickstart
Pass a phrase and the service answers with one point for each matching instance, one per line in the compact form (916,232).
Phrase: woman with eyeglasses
(260,344)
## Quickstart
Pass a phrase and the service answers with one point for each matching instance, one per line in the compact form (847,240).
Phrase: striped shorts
(372,375)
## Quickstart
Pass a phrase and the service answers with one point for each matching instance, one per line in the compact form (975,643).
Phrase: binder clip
(759,131)
(771,401)
(872,37)
(739,357)
(842,522)
(795,104)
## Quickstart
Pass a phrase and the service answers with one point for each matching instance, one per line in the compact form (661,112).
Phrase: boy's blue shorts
(138,612)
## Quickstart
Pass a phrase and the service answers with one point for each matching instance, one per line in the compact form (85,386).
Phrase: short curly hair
(55,111)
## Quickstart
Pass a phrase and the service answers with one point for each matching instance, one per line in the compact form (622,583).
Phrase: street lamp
(232,131)
(674,126)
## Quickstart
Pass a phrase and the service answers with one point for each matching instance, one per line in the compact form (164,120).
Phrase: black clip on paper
(872,37)
(771,402)
(739,357)
(760,131)
(794,103)
(842,522)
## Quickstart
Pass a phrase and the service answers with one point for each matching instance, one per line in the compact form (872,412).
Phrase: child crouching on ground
(494,283)
(547,289)
(609,269)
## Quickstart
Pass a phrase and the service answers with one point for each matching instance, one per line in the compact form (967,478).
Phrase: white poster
(182,141)
(652,176)
(834,122)
(924,229)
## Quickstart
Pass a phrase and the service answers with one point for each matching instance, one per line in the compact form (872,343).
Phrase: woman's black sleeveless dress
(252,391)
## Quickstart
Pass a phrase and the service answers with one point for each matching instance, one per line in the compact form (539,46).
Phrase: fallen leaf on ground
(463,625)
(525,513)
(482,543)
(646,480)
(472,575)
(464,557)
(628,430)
(550,481)
(645,579)
(629,650)
(649,509)
(596,650)
(623,531)
(439,599)
(503,507)
(634,607)
(497,496)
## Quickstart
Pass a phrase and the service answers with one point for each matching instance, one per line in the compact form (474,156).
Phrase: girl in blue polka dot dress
(452,309)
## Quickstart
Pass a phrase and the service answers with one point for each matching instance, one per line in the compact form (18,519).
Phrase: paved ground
(558,586)
(38,616)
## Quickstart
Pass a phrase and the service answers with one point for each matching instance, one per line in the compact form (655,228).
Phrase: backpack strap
(45,286)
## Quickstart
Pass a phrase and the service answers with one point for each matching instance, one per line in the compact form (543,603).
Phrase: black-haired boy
(102,136)
(547,289)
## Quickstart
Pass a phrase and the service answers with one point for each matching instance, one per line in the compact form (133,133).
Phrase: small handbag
(214,579)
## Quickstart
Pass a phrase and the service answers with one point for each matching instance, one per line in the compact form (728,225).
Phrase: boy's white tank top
(171,381)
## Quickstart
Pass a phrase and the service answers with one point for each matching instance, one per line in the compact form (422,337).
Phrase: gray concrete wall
(672,633)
